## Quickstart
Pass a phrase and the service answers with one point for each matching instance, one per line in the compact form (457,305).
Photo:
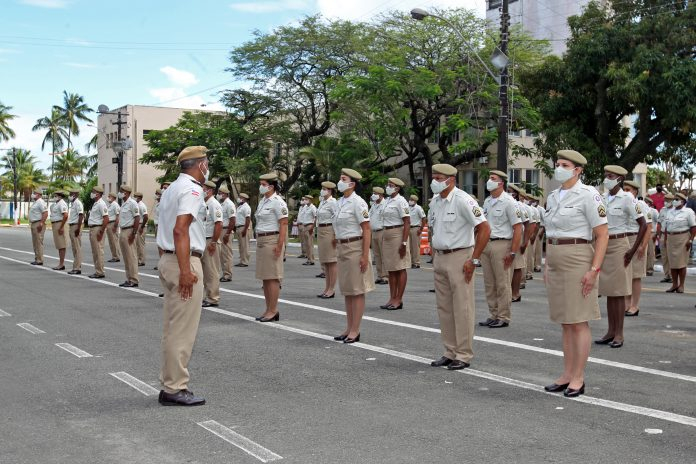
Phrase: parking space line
(30,328)
(4,313)
(142,387)
(73,350)
(243,443)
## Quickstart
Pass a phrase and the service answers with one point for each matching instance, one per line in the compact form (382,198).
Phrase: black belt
(126,228)
(493,239)
(413,227)
(612,237)
(446,252)
(92,227)
(677,233)
(195,254)
(393,227)
(34,222)
(265,234)
(566,241)
(378,230)
(326,225)
(348,240)
(73,223)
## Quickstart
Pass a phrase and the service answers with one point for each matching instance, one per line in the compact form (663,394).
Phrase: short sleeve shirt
(375,214)
(243,212)
(681,220)
(58,209)
(654,216)
(37,209)
(352,212)
(114,210)
(574,216)
(533,214)
(417,215)
(502,213)
(454,219)
(622,209)
(76,209)
(228,211)
(142,210)
(129,209)
(327,210)
(647,214)
(395,210)
(213,215)
(183,197)
(664,216)
(269,212)
(542,212)
(97,213)
(155,212)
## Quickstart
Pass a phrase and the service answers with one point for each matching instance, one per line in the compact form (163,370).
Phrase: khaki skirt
(350,280)
(327,252)
(391,241)
(566,265)
(268,266)
(676,250)
(615,279)
(520,260)
(638,263)
(60,240)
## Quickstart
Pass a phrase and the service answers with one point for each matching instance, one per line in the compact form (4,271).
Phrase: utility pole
(15,179)
(119,163)
(504,116)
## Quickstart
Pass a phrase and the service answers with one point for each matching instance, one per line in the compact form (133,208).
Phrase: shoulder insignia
(598,198)
(407,210)
(477,211)
(472,202)
(650,216)
(283,211)
(602,211)
(517,213)
(218,213)
(638,210)
(365,213)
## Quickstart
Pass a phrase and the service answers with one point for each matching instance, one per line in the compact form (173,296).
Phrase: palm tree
(71,166)
(6,133)
(55,133)
(74,109)
(29,176)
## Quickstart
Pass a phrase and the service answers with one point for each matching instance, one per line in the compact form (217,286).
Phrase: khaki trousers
(140,247)
(37,239)
(377,253)
(211,273)
(243,243)
(226,256)
(497,279)
(97,250)
(651,253)
(300,232)
(665,258)
(113,241)
(180,322)
(76,244)
(538,250)
(308,240)
(455,304)
(130,259)
(414,242)
(530,257)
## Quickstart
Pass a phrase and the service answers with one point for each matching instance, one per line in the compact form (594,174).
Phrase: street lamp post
(119,144)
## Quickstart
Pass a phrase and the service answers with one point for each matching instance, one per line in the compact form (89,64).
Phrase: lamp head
(419,14)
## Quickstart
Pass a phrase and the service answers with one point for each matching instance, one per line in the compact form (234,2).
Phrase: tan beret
(445,169)
(194,152)
(112,195)
(614,169)
(573,156)
(352,173)
(516,188)
(60,192)
(328,184)
(500,174)
(413,197)
(98,189)
(38,190)
(379,190)
(74,190)
(244,195)
(158,191)
(271,176)
(138,194)
(166,183)
(210,184)
(681,196)
(632,183)
(396,181)
(309,197)
(126,188)
(669,196)
(224,189)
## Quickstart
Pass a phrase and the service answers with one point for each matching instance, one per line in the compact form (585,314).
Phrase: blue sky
(146,52)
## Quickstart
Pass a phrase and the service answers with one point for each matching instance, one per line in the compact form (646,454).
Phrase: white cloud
(47,3)
(271,6)
(179,77)
(365,10)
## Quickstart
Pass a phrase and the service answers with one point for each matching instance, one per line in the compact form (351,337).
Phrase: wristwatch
(513,254)
(477,262)
(404,243)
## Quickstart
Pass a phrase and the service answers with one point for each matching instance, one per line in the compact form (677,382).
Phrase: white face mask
(491,185)
(72,198)
(438,187)
(374,197)
(342,186)
(562,174)
(220,197)
(412,203)
(324,192)
(390,190)
(676,203)
(93,195)
(34,196)
(121,195)
(264,189)
(610,183)
(205,174)
(241,202)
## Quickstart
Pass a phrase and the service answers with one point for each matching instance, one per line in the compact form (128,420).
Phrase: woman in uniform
(351,225)
(328,206)
(639,261)
(681,227)
(271,232)
(575,213)
(396,257)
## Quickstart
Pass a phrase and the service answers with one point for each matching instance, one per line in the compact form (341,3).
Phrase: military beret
(166,183)
(328,184)
(352,173)
(244,195)
(309,197)
(97,188)
(60,192)
(614,169)
(224,189)
(680,196)
(112,195)
(126,188)
(38,190)
(446,169)
(500,174)
(194,152)
(516,188)
(648,200)
(396,181)
(210,184)
(158,192)
(138,194)
(632,183)
(414,197)
(669,196)
(271,176)
(573,156)
(379,190)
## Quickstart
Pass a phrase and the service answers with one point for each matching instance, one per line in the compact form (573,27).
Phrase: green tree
(29,176)
(70,167)
(73,111)
(625,87)
(6,132)
(54,126)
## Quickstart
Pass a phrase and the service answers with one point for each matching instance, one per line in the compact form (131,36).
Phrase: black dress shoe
(207,304)
(381,281)
(340,338)
(415,266)
(34,263)
(672,290)
(604,341)
(384,306)
(631,314)
(432,290)
(225,279)
(320,276)
(128,285)
(394,308)
(324,296)
(161,295)
(530,277)
(113,260)
(308,263)
(614,344)
(155,268)
(573,393)
(301,256)
(96,276)
(556,387)
(58,268)
(498,324)
(443,361)
(456,365)
(75,272)
(487,322)
(180,398)
(141,264)
(517,300)
(352,340)
(666,280)
(270,319)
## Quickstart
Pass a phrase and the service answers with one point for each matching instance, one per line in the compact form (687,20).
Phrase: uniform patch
(283,211)
(365,213)
(518,214)
(638,210)
(602,211)
(218,214)
(597,198)
(407,211)
(477,211)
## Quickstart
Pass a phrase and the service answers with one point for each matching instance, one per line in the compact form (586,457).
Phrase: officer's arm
(44,216)
(217,231)
(641,234)
(65,219)
(118,216)
(407,227)
(182,247)
(516,238)
(136,223)
(146,217)
(482,234)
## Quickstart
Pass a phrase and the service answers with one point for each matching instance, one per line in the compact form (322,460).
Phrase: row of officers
(594,244)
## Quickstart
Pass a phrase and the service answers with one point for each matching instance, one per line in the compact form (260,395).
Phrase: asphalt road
(287,391)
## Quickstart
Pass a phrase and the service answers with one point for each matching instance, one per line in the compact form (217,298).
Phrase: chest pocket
(569,211)
(498,212)
(616,211)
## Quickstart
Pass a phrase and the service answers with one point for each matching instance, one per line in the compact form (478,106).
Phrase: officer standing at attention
(155,216)
(377,229)
(97,222)
(535,221)
(229,219)
(639,261)
(59,216)
(76,217)
(520,262)
(662,220)
(211,257)
(140,244)
(181,237)
(328,208)
(395,251)
(460,234)
(129,220)
(418,221)
(300,229)
(539,246)
(653,236)
(112,231)
(243,229)
(38,213)
(307,218)
(504,219)
(680,230)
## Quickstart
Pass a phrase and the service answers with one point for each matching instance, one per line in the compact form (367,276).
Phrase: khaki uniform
(226,254)
(393,212)
(140,237)
(534,218)
(36,212)
(453,221)
(129,210)
(181,317)
(417,215)
(377,228)
(243,212)
(502,214)
(306,218)
(662,218)
(328,208)
(95,223)
(268,214)
(211,263)
(352,212)
(679,225)
(653,234)
(58,209)
(639,263)
(76,209)
(520,261)
(114,210)
(539,245)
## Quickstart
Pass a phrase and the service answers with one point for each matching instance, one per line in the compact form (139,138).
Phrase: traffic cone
(425,243)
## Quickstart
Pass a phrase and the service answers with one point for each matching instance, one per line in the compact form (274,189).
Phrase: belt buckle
(554,241)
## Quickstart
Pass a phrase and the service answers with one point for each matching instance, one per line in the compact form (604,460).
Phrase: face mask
(438,187)
(303,202)
(220,198)
(72,198)
(562,174)
(264,189)
(491,185)
(342,186)
(324,192)
(610,183)
(93,195)
(676,203)
(659,190)
(121,195)
(34,196)
(374,197)
(390,190)
(56,199)
(412,203)
(205,174)
(241,202)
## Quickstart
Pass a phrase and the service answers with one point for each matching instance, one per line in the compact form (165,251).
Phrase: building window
(514,176)
(470,182)
(531,179)
(146,131)
(493,4)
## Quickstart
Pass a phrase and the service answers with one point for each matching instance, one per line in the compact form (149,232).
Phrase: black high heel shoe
(275,318)
(556,387)
(604,341)
(352,340)
(573,393)
(340,338)
(324,296)
(672,290)
(394,308)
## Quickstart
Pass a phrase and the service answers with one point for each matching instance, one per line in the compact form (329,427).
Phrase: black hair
(358,185)
(275,184)
(189,163)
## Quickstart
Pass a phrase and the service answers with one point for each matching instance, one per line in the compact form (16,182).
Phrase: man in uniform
(229,220)
(38,213)
(243,229)
(460,234)
(653,235)
(129,220)
(539,246)
(662,219)
(98,221)
(155,215)
(418,221)
(377,229)
(76,217)
(211,256)
(140,244)
(182,240)
(639,262)
(504,219)
(112,231)
(520,262)
(59,216)
(306,218)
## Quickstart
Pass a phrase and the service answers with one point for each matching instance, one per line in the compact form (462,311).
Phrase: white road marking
(131,381)
(653,431)
(240,441)
(4,314)
(73,350)
(30,328)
